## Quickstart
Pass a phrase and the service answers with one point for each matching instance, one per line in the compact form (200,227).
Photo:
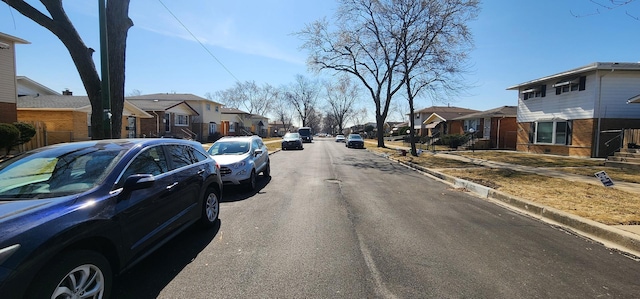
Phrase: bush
(9,135)
(27,132)
(454,140)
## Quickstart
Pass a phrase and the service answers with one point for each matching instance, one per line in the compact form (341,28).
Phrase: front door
(487,128)
(131,127)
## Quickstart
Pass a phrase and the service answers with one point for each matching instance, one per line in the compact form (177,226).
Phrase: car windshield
(229,147)
(291,135)
(355,136)
(57,172)
(340,136)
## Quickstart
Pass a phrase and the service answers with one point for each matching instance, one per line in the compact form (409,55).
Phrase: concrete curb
(609,236)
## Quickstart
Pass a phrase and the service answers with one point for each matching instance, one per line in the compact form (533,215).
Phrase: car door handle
(201,171)
(172,185)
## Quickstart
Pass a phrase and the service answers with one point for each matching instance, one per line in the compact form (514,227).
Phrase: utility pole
(104,67)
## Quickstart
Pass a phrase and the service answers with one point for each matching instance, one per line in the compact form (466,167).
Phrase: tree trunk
(118,24)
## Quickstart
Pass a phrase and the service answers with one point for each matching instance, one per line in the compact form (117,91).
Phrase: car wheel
(210,208)
(251,182)
(75,274)
(267,170)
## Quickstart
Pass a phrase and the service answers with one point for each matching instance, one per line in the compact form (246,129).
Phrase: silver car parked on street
(241,159)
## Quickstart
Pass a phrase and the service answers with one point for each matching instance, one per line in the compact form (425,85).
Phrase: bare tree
(247,96)
(118,24)
(360,116)
(314,121)
(303,97)
(281,108)
(341,97)
(607,5)
(330,124)
(434,41)
(134,93)
(363,46)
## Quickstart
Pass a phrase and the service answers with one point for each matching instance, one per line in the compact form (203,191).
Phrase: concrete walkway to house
(622,237)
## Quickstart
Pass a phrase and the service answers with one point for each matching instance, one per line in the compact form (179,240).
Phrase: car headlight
(239,164)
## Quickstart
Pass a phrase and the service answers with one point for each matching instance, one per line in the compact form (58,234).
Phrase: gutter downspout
(157,123)
(498,134)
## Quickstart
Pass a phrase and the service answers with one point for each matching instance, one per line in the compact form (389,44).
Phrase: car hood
(290,139)
(9,209)
(229,159)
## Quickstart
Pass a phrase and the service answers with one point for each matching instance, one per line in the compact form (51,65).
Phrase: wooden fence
(631,138)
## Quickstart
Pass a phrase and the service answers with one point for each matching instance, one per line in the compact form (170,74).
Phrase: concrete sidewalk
(621,237)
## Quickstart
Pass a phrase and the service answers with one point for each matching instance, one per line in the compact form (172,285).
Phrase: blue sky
(515,41)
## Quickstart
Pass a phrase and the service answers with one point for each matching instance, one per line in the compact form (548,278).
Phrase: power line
(199,42)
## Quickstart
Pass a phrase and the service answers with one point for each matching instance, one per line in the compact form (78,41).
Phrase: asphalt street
(333,222)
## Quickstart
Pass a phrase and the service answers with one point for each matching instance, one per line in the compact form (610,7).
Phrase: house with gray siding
(578,112)
(8,86)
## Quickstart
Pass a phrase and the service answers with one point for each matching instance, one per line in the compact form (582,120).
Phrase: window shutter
(583,83)
(543,90)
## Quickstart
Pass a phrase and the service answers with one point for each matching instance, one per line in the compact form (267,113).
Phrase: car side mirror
(257,152)
(138,181)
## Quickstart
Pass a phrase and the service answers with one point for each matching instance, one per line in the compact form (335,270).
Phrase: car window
(180,155)
(150,161)
(55,173)
(256,144)
(198,155)
(234,147)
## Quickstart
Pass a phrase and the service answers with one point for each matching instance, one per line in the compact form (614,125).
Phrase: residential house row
(578,112)
(587,112)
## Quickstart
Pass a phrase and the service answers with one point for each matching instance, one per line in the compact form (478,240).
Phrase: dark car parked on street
(306,134)
(354,141)
(292,140)
(72,215)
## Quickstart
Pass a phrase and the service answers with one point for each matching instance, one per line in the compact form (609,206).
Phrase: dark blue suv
(73,215)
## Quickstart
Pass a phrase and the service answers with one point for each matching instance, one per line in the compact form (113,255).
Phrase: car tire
(267,170)
(251,182)
(82,273)
(210,208)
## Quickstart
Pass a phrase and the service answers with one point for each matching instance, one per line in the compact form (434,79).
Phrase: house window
(217,108)
(553,132)
(471,123)
(535,92)
(208,107)
(575,84)
(182,120)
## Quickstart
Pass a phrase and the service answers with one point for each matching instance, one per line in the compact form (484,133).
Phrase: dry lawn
(605,205)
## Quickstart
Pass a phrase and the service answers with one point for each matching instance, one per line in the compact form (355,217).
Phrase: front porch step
(621,164)
(627,154)
(630,159)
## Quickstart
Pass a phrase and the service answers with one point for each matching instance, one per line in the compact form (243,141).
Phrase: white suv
(241,159)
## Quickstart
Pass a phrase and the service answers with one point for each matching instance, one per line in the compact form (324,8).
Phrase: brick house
(434,121)
(493,129)
(168,118)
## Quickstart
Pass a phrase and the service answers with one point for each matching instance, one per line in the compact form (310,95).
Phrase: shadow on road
(148,278)
(233,193)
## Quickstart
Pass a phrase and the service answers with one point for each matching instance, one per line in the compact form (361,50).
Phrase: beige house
(8,85)
(204,124)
